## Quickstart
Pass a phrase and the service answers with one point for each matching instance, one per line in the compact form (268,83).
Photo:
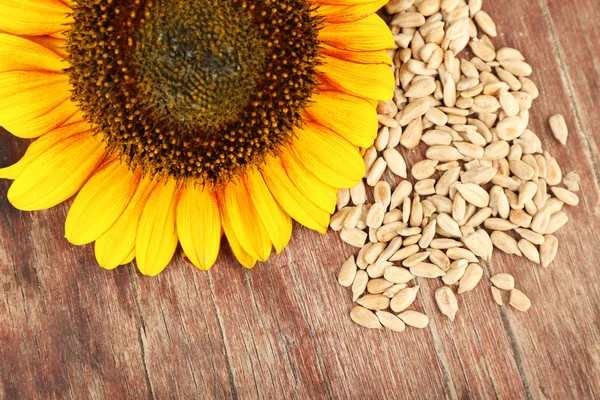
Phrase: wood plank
(69,329)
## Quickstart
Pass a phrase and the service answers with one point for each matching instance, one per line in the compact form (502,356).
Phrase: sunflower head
(193,89)
(175,122)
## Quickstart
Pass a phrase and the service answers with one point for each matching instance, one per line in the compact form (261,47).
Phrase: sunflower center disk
(193,89)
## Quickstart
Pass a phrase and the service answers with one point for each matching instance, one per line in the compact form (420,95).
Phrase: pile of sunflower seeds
(485,181)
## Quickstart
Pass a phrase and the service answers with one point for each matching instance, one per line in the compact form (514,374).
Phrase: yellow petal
(100,202)
(34,17)
(199,226)
(291,199)
(241,216)
(40,146)
(359,57)
(129,258)
(337,14)
(329,156)
(364,80)
(39,126)
(27,95)
(31,55)
(242,256)
(314,189)
(340,3)
(354,118)
(54,44)
(116,245)
(57,174)
(276,221)
(367,34)
(156,239)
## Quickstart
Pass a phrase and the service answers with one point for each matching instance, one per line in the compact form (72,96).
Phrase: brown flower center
(194,89)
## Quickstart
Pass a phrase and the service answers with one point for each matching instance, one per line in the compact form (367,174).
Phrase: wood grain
(69,329)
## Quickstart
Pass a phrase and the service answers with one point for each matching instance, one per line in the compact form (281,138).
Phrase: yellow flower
(175,121)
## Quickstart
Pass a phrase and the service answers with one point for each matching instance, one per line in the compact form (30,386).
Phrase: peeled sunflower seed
(453,275)
(360,284)
(529,250)
(347,272)
(446,301)
(519,300)
(503,281)
(548,250)
(505,242)
(364,317)
(414,319)
(426,270)
(390,321)
(404,298)
(398,275)
(474,194)
(497,295)
(354,237)
(374,301)
(470,279)
(566,196)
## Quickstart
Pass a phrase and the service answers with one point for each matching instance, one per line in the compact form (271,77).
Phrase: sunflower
(177,121)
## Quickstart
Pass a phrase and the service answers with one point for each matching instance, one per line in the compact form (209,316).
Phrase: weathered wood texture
(69,329)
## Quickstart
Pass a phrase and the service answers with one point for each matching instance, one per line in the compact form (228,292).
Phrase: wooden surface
(69,329)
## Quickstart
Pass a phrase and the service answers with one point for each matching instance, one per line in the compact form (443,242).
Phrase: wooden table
(69,329)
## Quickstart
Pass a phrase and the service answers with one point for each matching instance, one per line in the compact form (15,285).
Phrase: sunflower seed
(498,224)
(390,321)
(479,217)
(459,253)
(360,284)
(449,225)
(426,270)
(414,319)
(520,218)
(565,196)
(408,20)
(376,171)
(374,301)
(446,301)
(470,279)
(505,243)
(516,67)
(485,22)
(416,212)
(347,272)
(354,237)
(553,172)
(393,290)
(404,298)
(364,317)
(510,128)
(395,162)
(556,222)
(358,193)
(474,194)
(571,181)
(497,295)
(540,221)
(503,281)
(450,176)
(529,250)
(398,275)
(453,275)
(443,244)
(519,300)
(425,187)
(477,245)
(548,250)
